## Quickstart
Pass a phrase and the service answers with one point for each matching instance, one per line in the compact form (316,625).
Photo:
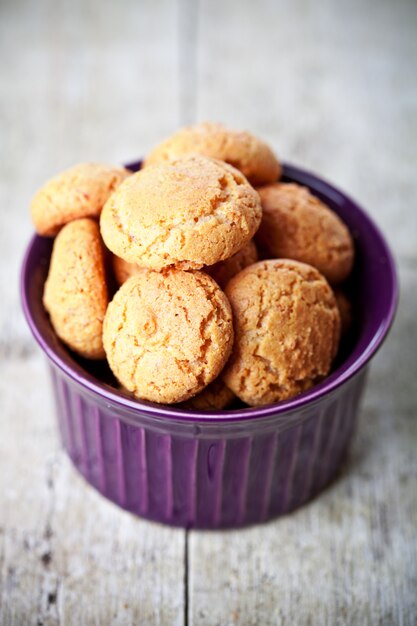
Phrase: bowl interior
(372,287)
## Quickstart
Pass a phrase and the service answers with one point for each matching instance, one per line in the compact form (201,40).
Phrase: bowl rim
(340,376)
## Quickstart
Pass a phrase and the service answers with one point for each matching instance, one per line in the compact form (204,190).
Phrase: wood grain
(318,82)
(332,87)
(80,81)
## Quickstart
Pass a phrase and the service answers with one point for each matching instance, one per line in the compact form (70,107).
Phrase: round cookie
(214,397)
(80,191)
(185,213)
(75,293)
(168,335)
(223,271)
(297,225)
(123,270)
(287,329)
(247,153)
(345,310)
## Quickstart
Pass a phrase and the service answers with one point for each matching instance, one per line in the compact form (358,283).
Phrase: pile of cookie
(197,319)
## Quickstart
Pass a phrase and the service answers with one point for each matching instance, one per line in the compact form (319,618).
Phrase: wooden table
(332,86)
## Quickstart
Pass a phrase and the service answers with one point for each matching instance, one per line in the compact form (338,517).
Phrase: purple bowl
(218,469)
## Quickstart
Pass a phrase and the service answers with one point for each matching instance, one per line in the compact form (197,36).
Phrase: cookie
(75,293)
(223,271)
(168,335)
(297,225)
(247,153)
(214,397)
(123,270)
(80,191)
(287,329)
(185,213)
(345,310)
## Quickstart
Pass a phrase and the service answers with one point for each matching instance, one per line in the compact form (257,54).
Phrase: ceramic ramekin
(227,468)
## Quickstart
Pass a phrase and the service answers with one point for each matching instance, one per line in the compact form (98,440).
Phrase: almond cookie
(123,270)
(223,271)
(75,293)
(287,328)
(345,310)
(185,213)
(214,397)
(80,191)
(297,225)
(247,153)
(168,335)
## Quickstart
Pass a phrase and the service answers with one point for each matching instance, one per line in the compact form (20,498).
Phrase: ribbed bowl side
(200,480)
(309,455)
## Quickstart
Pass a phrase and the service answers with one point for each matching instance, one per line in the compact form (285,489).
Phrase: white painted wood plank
(188,32)
(79,81)
(330,85)
(393,379)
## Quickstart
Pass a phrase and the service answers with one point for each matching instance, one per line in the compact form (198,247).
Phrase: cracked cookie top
(80,191)
(75,293)
(287,329)
(247,153)
(168,335)
(297,225)
(185,213)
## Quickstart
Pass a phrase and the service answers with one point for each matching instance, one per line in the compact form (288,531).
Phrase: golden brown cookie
(223,271)
(185,213)
(345,310)
(297,225)
(80,191)
(287,329)
(167,335)
(214,397)
(123,270)
(75,293)
(247,153)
